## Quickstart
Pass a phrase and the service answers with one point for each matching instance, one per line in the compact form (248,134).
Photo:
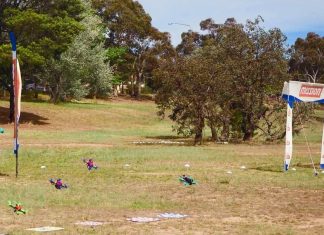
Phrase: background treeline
(228,78)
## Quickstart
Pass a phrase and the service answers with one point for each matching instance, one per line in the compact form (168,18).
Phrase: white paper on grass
(143,219)
(45,229)
(89,223)
(172,215)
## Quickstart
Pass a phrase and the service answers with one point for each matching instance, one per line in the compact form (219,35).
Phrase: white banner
(288,148)
(303,92)
(300,92)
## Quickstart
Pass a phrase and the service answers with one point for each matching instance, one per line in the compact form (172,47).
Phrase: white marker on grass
(45,229)
(89,223)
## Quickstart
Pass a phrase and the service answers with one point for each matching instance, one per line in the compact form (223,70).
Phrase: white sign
(303,92)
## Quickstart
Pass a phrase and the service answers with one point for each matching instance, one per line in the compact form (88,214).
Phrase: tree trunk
(248,135)
(226,129)
(199,130)
(139,90)
(198,137)
(138,83)
(35,88)
(36,94)
(11,102)
(132,86)
(12,105)
(213,132)
(55,94)
(248,127)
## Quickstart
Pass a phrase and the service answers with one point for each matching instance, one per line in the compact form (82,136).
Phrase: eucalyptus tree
(129,26)
(44,30)
(307,59)
(83,68)
(226,82)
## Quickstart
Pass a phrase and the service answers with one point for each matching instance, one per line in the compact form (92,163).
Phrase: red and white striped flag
(17,92)
(17,84)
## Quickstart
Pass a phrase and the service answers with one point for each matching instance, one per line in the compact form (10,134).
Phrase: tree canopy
(129,26)
(307,59)
(226,81)
(43,32)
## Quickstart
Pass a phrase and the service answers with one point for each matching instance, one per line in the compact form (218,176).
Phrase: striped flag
(17,84)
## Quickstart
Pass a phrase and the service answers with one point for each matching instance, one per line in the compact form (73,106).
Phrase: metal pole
(16,151)
(17,163)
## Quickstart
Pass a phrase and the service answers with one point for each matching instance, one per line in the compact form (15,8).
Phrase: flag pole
(17,163)
(16,82)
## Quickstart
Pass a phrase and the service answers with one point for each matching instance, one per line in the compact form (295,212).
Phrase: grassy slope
(259,200)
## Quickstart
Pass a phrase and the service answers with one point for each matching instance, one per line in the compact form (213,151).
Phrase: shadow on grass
(34,100)
(308,165)
(1,174)
(30,97)
(166,137)
(269,168)
(226,181)
(25,117)
(27,98)
(318,119)
(169,140)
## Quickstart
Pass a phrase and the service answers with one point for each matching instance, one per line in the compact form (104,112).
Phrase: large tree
(83,69)
(183,85)
(43,31)
(129,26)
(307,59)
(226,81)
(259,71)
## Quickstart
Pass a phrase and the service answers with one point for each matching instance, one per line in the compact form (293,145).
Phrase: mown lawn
(142,180)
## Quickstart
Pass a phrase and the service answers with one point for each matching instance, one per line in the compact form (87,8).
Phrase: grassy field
(259,200)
